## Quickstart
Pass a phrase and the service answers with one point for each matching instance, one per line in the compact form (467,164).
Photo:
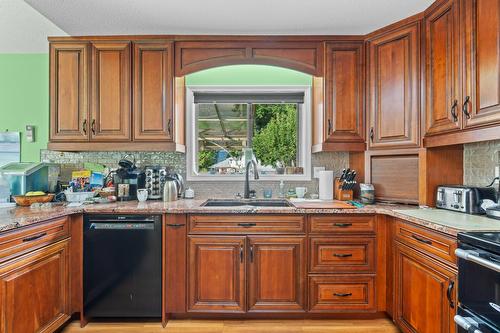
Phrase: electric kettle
(170,190)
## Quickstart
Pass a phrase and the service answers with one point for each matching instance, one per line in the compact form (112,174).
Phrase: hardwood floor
(242,326)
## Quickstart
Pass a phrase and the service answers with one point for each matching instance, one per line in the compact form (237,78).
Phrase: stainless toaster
(465,199)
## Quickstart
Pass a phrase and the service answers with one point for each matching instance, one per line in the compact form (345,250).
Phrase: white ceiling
(23,29)
(303,17)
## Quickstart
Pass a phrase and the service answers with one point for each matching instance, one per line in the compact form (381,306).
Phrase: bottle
(281,192)
(4,190)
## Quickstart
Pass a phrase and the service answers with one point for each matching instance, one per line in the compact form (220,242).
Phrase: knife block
(339,193)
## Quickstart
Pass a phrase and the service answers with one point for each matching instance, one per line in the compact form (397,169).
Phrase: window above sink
(228,125)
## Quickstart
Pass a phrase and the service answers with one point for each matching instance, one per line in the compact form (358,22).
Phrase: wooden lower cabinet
(216,270)
(276,274)
(34,290)
(424,293)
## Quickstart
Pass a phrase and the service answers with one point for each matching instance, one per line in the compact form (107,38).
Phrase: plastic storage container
(4,190)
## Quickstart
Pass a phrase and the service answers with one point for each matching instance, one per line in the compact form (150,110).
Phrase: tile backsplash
(480,160)
(70,161)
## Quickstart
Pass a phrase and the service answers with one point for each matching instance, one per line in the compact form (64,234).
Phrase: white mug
(301,192)
(142,194)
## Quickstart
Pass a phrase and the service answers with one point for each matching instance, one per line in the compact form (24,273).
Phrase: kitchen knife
(343,174)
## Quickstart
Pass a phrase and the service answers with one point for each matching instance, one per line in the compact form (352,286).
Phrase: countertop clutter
(440,220)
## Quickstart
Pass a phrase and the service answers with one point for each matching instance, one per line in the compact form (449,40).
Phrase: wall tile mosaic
(70,161)
(480,160)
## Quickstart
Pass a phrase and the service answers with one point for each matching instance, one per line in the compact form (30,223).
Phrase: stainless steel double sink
(246,202)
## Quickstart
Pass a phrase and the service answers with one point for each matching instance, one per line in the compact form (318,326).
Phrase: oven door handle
(465,324)
(469,256)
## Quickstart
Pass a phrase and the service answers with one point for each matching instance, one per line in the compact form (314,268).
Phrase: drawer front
(342,293)
(23,240)
(347,223)
(431,243)
(342,254)
(246,224)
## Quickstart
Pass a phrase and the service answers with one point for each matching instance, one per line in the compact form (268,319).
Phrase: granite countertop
(440,220)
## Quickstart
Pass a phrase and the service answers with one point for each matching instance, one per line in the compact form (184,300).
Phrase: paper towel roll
(326,185)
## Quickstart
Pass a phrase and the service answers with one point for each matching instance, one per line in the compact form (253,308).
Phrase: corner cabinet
(394,88)
(338,99)
(114,95)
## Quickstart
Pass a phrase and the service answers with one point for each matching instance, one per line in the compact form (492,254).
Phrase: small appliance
(170,190)
(465,199)
(127,179)
(155,179)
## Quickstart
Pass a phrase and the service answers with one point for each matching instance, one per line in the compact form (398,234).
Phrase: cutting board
(335,204)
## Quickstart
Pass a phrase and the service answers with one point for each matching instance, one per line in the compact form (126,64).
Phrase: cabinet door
(153,91)
(344,92)
(34,290)
(69,92)
(441,69)
(481,97)
(216,274)
(394,88)
(276,274)
(424,293)
(110,101)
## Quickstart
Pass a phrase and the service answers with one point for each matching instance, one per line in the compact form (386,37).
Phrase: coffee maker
(127,179)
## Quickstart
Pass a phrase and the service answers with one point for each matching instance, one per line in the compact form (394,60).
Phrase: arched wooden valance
(305,57)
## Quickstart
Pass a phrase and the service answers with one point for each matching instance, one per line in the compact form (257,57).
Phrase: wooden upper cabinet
(34,290)
(276,274)
(111,93)
(344,92)
(394,88)
(216,270)
(481,29)
(424,293)
(442,95)
(153,91)
(69,92)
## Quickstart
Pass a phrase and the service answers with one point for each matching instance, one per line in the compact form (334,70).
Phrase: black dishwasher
(122,265)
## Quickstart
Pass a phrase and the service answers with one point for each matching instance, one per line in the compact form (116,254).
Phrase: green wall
(24,99)
(249,75)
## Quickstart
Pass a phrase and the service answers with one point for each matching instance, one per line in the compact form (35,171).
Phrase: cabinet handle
(330,126)
(84,126)
(465,107)
(342,255)
(32,238)
(247,225)
(92,126)
(169,127)
(342,225)
(448,294)
(175,225)
(371,134)
(241,253)
(251,253)
(342,294)
(422,240)
(454,111)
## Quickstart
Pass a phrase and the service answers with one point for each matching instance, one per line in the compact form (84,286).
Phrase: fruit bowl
(25,201)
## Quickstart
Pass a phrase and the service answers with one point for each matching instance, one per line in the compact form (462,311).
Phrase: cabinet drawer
(342,293)
(339,255)
(23,240)
(430,242)
(342,223)
(246,224)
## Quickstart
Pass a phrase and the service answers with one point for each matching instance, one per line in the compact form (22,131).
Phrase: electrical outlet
(497,172)
(316,171)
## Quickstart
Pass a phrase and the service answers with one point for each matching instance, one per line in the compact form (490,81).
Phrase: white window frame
(305,126)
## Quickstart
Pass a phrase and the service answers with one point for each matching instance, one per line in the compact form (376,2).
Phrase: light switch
(30,133)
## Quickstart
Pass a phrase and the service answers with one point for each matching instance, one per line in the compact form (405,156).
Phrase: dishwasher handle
(122,226)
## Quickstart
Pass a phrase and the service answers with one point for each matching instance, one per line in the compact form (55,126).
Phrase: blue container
(26,177)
